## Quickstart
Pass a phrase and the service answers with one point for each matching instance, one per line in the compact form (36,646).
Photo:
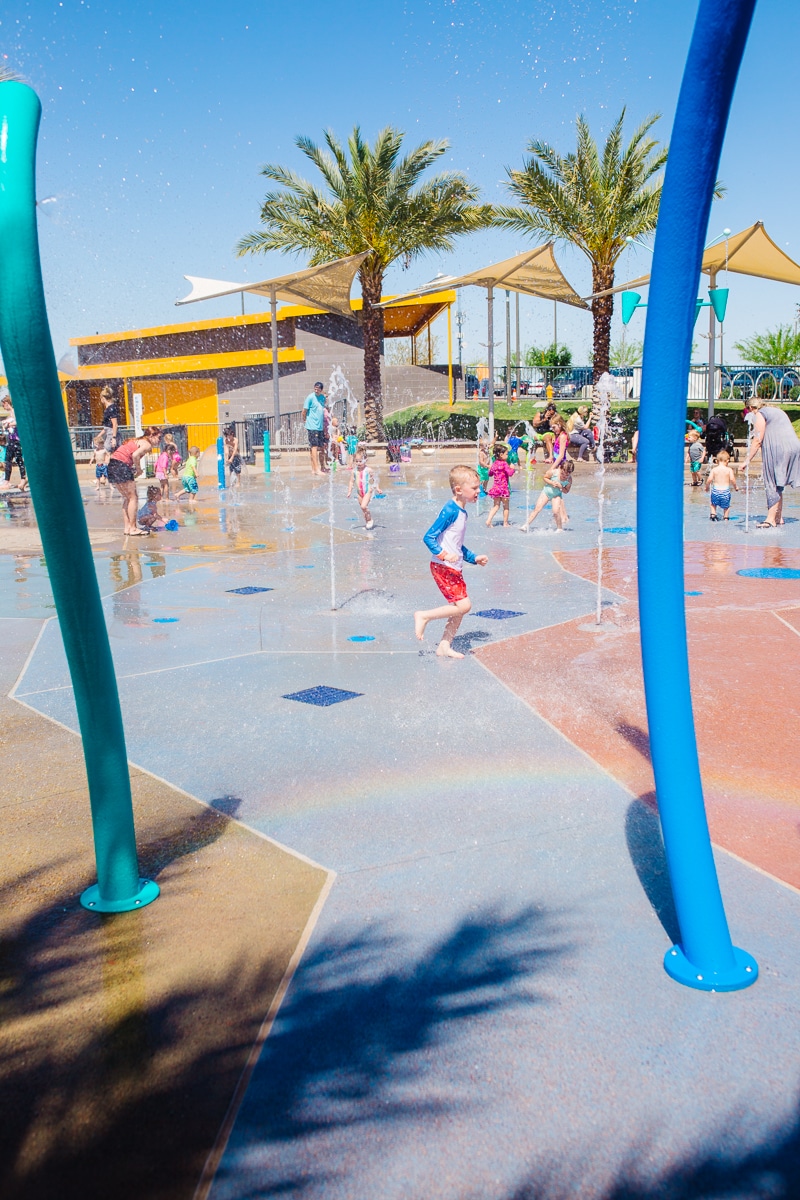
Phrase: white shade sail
(326,286)
(535,273)
(751,252)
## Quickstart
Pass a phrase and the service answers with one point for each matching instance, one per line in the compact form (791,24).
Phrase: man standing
(314,408)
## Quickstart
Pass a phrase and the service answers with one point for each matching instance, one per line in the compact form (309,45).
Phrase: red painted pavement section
(745,665)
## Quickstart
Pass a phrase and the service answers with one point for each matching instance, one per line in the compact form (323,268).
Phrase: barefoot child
(721,478)
(188,475)
(500,473)
(148,516)
(697,455)
(162,470)
(364,480)
(445,540)
(557,482)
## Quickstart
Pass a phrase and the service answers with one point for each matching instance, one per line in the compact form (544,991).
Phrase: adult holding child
(774,436)
(107,439)
(123,467)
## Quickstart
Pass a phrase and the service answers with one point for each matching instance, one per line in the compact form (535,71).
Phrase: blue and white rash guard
(447,533)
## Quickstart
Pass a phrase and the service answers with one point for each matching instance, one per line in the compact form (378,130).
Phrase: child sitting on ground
(557,483)
(148,517)
(721,478)
(364,480)
(188,475)
(697,455)
(445,540)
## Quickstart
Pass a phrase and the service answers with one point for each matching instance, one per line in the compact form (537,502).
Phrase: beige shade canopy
(751,252)
(534,273)
(326,286)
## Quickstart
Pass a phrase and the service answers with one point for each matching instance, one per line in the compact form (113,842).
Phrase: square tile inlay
(247,591)
(498,614)
(322,696)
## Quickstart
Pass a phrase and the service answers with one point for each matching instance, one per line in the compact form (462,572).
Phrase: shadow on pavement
(356,1034)
(646,848)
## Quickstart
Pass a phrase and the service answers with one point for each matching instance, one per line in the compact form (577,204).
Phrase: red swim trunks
(449,582)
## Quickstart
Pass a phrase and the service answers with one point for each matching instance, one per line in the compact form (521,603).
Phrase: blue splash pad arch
(706,957)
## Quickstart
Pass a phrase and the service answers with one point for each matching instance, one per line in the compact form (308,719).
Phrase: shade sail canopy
(535,273)
(326,286)
(751,252)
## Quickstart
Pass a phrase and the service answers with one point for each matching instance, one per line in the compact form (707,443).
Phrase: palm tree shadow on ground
(345,1051)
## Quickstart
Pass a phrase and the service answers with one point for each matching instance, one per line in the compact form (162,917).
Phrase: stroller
(718,437)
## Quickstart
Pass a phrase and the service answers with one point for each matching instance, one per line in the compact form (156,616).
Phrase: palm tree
(372,200)
(594,201)
(776,348)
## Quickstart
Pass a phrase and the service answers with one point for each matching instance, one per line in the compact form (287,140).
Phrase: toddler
(148,517)
(557,482)
(500,473)
(721,478)
(188,475)
(697,454)
(364,480)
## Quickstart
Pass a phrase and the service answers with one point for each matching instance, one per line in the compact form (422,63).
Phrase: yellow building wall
(190,402)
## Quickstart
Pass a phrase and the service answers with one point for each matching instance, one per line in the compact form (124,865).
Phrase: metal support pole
(276,386)
(508,346)
(33,382)
(490,356)
(705,957)
(712,349)
(516,355)
(450,395)
(267,459)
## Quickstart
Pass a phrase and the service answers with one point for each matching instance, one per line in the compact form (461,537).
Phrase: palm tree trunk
(372,325)
(602,308)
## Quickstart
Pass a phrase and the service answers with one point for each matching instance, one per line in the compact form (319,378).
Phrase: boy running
(445,540)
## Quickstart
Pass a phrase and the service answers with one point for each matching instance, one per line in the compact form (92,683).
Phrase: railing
(292,429)
(567,383)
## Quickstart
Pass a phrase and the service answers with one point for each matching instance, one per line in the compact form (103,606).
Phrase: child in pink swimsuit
(499,474)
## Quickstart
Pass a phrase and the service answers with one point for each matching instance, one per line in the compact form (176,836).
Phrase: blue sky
(157,119)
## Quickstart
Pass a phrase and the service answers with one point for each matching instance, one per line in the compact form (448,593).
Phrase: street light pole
(276,387)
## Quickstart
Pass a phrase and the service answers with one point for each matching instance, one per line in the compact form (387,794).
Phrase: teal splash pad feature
(770,573)
(30,366)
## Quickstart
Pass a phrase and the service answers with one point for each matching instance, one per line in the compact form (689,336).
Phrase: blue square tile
(498,614)
(247,591)
(322,696)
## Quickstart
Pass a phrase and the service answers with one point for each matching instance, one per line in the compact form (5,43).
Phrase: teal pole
(220,463)
(267,460)
(36,394)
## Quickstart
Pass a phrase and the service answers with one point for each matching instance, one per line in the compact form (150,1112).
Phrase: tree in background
(592,200)
(626,354)
(373,199)
(776,348)
(549,356)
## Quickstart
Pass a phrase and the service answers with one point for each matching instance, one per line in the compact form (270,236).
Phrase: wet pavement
(482,1010)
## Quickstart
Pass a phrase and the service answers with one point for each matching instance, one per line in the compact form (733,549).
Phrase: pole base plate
(147,893)
(745,972)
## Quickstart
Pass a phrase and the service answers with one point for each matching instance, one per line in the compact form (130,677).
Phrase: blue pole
(221,462)
(36,394)
(267,460)
(706,957)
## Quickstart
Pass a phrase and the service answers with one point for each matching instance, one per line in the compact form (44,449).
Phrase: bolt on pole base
(147,893)
(745,972)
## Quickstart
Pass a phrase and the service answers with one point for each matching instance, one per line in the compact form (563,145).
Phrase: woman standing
(123,467)
(780,457)
(107,439)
